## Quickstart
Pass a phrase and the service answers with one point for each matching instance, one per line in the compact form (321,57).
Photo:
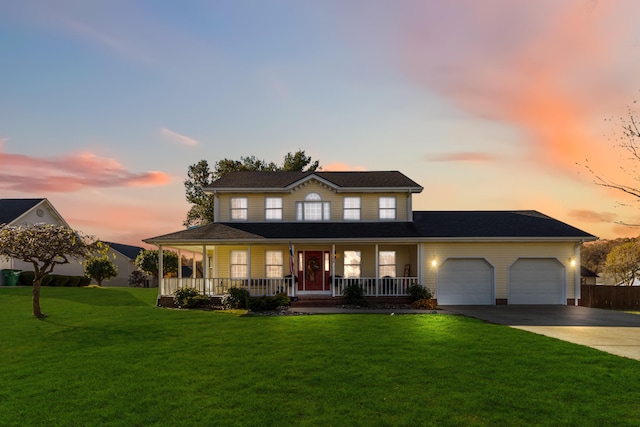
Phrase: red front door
(313,271)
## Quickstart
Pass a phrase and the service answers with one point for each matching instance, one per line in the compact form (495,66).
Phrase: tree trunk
(35,293)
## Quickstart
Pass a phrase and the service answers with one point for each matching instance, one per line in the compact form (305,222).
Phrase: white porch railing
(386,286)
(217,286)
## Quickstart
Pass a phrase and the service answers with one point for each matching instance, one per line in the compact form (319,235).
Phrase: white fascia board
(380,190)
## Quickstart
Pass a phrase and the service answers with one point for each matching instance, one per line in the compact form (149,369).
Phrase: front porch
(301,271)
(257,287)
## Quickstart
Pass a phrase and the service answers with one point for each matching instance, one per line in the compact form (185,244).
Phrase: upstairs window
(239,209)
(387,263)
(273,208)
(273,261)
(352,208)
(387,208)
(313,209)
(352,264)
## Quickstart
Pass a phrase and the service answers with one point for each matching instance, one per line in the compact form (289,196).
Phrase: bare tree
(628,140)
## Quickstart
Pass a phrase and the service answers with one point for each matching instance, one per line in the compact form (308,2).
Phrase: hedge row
(59,280)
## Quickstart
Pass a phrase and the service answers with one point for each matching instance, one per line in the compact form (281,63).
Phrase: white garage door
(537,281)
(465,282)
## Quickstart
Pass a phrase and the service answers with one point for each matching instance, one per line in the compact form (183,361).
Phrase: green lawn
(109,357)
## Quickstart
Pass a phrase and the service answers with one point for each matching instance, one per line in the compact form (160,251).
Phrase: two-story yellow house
(310,234)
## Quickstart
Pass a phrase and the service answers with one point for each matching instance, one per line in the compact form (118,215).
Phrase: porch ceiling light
(434,263)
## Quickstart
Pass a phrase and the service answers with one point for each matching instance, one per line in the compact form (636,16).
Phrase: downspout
(333,270)
(576,273)
(160,270)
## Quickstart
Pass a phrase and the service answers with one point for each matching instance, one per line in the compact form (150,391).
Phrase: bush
(418,292)
(74,281)
(26,278)
(138,279)
(190,298)
(269,303)
(424,304)
(84,281)
(58,280)
(236,298)
(353,294)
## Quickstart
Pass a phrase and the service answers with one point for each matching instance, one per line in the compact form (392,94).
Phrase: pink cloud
(70,173)
(178,138)
(461,157)
(548,68)
(122,222)
(341,167)
(584,215)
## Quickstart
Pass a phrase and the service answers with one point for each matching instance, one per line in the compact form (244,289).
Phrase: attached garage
(465,281)
(537,281)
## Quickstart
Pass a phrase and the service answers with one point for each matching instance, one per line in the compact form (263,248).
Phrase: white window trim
(232,264)
(394,209)
(268,209)
(244,209)
(279,265)
(346,209)
(381,265)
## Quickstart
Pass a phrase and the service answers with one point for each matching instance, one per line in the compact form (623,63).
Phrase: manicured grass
(109,357)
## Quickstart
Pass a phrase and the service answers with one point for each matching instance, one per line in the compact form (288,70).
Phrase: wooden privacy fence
(617,297)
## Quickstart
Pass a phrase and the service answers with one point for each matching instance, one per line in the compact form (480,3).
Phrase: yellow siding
(501,256)
(256,203)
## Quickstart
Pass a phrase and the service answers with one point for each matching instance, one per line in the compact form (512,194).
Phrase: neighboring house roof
(130,252)
(426,225)
(250,180)
(585,272)
(11,210)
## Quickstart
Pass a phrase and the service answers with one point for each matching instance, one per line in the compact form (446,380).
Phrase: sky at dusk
(489,105)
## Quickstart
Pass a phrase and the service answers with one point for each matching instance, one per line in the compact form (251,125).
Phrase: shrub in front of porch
(268,303)
(353,294)
(236,298)
(190,298)
(421,297)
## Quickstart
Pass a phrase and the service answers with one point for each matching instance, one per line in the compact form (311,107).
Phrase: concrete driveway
(612,331)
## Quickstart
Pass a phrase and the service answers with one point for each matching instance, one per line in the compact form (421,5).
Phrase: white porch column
(576,274)
(333,270)
(420,262)
(377,270)
(205,267)
(160,270)
(249,267)
(180,284)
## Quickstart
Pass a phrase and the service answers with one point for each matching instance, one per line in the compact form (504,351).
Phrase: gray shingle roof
(10,209)
(493,224)
(426,225)
(129,251)
(283,180)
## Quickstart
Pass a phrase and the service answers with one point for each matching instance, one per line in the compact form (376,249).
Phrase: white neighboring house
(33,211)
(123,256)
